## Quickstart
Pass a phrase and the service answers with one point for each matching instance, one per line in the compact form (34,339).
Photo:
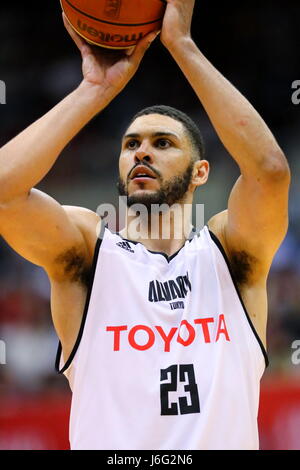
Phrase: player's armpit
(43,232)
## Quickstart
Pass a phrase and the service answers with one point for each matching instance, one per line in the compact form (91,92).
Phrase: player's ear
(200,173)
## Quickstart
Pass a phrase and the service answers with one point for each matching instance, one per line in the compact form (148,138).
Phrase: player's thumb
(139,50)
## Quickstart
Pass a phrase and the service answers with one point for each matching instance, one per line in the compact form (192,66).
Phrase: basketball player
(163,340)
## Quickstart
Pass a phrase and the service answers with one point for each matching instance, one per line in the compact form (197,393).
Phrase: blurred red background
(42,423)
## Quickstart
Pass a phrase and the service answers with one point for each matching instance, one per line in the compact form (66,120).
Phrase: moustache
(157,173)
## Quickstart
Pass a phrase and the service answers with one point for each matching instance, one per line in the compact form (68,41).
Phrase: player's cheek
(124,167)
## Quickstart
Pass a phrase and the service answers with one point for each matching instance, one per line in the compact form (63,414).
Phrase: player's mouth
(142,173)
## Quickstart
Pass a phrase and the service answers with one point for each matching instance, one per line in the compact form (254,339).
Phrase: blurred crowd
(254,46)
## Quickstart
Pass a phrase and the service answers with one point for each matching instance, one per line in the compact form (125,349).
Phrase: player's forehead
(155,124)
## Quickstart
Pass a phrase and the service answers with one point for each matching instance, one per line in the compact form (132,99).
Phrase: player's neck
(164,232)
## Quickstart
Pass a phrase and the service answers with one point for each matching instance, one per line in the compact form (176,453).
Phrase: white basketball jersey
(167,356)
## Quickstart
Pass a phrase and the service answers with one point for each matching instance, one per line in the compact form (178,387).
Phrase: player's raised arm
(256,221)
(26,159)
(32,222)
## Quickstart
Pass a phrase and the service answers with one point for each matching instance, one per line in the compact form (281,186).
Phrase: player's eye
(163,143)
(132,144)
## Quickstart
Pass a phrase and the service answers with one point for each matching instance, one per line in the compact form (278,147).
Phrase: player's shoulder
(80,212)
(216,225)
(244,265)
(87,221)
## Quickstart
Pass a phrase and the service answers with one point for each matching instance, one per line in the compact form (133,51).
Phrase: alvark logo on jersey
(170,290)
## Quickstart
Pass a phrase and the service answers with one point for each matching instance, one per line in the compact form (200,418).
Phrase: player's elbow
(275,168)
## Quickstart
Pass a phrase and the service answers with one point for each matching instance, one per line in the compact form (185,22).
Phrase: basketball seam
(110,22)
(118,48)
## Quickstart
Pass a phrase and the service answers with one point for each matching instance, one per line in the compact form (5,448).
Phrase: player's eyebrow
(135,135)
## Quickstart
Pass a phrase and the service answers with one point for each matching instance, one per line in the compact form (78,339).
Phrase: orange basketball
(116,24)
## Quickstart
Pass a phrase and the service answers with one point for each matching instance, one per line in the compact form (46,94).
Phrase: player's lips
(142,172)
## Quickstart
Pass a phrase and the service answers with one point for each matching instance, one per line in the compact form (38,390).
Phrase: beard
(171,191)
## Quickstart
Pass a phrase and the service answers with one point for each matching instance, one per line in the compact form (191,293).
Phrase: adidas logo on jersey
(126,246)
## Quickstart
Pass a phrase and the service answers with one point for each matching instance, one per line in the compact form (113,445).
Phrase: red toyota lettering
(116,330)
(167,339)
(132,341)
(191,332)
(222,328)
(204,323)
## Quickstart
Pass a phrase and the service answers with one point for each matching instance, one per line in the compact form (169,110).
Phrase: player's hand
(110,70)
(177,22)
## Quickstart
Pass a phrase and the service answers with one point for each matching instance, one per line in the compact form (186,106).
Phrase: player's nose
(143,153)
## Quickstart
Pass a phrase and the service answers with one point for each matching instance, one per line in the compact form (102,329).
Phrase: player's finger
(79,41)
(141,47)
(129,51)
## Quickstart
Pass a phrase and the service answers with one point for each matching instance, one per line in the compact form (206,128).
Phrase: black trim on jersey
(219,245)
(168,258)
(86,307)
